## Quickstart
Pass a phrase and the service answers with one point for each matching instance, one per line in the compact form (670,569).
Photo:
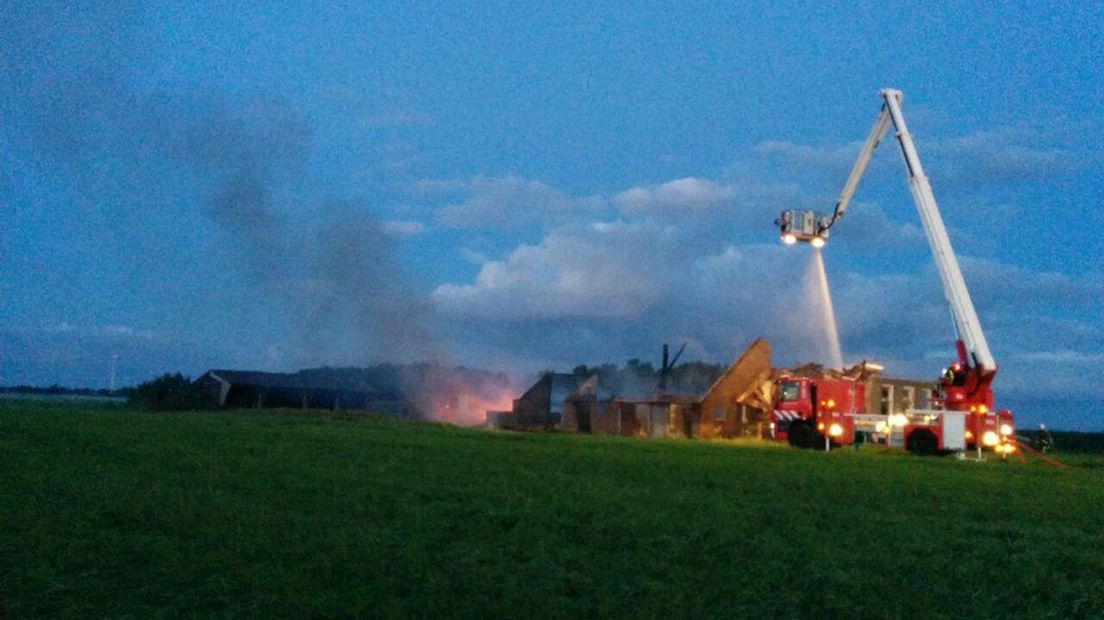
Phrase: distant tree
(169,392)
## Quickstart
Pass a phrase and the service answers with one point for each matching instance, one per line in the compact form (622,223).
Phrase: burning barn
(253,389)
(541,407)
(428,391)
(740,402)
(672,416)
(735,404)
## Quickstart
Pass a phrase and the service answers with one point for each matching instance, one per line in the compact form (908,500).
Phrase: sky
(520,186)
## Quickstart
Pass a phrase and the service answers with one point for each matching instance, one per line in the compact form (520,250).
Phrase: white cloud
(472,256)
(832,156)
(607,269)
(1005,288)
(686,196)
(1007,154)
(676,265)
(868,227)
(512,202)
(432,187)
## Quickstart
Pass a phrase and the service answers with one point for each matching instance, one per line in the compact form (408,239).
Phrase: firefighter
(1043,441)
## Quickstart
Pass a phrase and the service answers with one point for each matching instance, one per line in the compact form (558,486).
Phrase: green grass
(130,514)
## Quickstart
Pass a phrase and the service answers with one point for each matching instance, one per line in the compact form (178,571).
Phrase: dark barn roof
(255,388)
(298,380)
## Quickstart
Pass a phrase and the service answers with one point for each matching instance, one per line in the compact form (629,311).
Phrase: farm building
(541,407)
(885,395)
(734,405)
(658,416)
(252,389)
(737,404)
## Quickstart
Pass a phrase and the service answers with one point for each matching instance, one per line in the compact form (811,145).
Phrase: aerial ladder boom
(872,141)
(976,352)
(967,383)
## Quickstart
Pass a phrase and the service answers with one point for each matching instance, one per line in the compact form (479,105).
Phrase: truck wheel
(922,441)
(792,434)
(802,435)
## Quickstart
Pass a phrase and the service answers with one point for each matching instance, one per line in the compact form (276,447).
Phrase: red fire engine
(812,412)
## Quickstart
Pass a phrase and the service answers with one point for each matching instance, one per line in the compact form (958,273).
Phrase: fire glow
(463,404)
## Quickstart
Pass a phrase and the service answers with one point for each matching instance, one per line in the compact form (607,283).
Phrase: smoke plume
(335,274)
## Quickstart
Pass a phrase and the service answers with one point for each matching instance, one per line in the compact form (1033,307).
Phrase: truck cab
(813,412)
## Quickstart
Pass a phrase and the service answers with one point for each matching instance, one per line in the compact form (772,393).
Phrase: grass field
(109,512)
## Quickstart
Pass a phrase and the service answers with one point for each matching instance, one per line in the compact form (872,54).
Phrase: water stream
(820,299)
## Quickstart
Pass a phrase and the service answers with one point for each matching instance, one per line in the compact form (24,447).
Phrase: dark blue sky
(523,187)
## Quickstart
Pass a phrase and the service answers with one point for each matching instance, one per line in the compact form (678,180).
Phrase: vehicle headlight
(990,438)
(898,419)
(789,239)
(880,427)
(1006,429)
(817,242)
(835,430)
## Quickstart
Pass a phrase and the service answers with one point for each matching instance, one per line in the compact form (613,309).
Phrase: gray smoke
(362,292)
(326,270)
(336,275)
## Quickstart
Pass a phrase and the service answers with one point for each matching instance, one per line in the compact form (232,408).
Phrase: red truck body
(822,412)
(822,404)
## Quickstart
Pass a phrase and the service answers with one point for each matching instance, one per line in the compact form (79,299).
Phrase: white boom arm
(954,287)
(867,151)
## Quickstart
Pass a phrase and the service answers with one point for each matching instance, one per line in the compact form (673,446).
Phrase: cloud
(1000,287)
(835,157)
(403,228)
(514,202)
(628,283)
(474,257)
(434,187)
(686,196)
(867,227)
(620,287)
(606,269)
(1002,155)
(112,333)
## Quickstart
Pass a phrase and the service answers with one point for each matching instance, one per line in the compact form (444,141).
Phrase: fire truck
(816,411)
(826,411)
